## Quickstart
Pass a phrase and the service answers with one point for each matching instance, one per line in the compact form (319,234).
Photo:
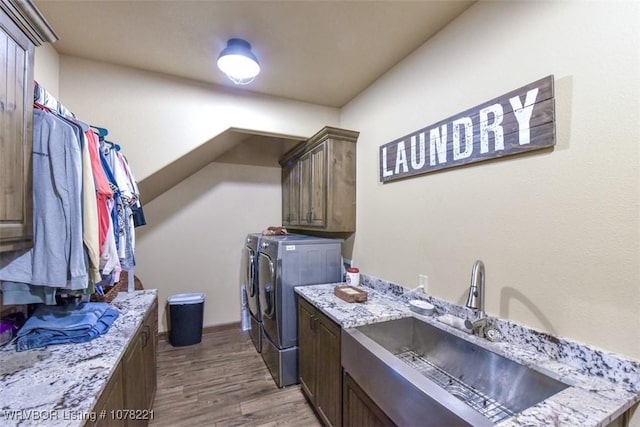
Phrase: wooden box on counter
(350,293)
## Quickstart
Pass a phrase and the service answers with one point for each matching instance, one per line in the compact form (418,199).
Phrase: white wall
(559,232)
(196,231)
(46,68)
(159,118)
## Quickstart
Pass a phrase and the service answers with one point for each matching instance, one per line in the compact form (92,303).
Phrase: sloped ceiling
(232,146)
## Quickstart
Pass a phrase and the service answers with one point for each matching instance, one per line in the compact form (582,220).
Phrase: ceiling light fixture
(238,62)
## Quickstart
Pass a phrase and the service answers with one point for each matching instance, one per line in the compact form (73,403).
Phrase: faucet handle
(477,326)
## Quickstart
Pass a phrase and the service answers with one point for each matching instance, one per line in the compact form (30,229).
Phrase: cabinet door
(111,399)
(150,335)
(358,408)
(306,349)
(134,384)
(329,371)
(16,106)
(313,187)
(305,191)
(291,194)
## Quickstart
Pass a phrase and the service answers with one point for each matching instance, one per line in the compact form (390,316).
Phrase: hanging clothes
(136,207)
(57,257)
(104,192)
(90,219)
(83,221)
(124,198)
(89,202)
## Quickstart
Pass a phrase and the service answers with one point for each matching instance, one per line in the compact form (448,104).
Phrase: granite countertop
(60,384)
(602,386)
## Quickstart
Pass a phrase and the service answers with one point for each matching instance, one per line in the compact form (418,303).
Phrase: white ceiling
(322,52)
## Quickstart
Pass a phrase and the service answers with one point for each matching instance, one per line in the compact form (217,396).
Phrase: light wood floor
(223,381)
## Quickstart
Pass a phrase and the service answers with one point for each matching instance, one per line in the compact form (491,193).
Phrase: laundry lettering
(519,121)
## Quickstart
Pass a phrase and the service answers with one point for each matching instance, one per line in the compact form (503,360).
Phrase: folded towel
(65,324)
(65,317)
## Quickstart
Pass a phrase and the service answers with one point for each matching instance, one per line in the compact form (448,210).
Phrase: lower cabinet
(358,410)
(128,396)
(319,363)
(139,367)
(110,401)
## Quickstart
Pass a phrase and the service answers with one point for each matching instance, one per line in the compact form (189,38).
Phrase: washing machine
(285,262)
(249,282)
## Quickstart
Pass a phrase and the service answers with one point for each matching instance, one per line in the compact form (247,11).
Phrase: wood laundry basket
(110,292)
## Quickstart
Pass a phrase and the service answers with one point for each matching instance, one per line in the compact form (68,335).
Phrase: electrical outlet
(423,281)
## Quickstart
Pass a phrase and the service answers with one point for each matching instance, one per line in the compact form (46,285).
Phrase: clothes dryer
(285,262)
(249,280)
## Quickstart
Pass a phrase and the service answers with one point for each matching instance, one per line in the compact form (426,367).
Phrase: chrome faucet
(475,300)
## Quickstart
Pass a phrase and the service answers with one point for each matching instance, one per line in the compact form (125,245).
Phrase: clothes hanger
(102,132)
(113,144)
(41,107)
(109,143)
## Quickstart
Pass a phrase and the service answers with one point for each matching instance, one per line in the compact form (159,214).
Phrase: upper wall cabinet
(319,182)
(21,29)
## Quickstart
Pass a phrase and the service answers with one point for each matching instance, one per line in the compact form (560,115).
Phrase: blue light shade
(238,62)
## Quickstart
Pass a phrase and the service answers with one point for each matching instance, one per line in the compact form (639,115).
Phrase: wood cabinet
(319,182)
(139,366)
(16,104)
(319,363)
(358,409)
(313,187)
(150,352)
(291,194)
(111,400)
(131,389)
(21,29)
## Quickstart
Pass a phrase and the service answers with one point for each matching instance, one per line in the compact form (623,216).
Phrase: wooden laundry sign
(519,121)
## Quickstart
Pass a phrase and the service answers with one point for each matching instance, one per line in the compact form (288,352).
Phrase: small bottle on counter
(353,276)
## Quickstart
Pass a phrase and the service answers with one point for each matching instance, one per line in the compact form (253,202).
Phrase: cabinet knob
(313,322)
(145,336)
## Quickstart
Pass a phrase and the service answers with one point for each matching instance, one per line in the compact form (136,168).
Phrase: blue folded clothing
(65,324)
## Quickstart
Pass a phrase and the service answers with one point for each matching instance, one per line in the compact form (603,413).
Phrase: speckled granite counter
(59,385)
(602,385)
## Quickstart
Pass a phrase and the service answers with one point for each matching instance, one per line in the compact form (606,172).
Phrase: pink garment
(103,189)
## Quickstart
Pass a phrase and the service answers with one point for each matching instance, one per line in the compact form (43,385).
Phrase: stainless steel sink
(417,372)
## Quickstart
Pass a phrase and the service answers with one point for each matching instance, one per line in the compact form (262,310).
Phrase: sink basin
(416,371)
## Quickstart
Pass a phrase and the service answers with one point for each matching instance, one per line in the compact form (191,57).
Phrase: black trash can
(186,313)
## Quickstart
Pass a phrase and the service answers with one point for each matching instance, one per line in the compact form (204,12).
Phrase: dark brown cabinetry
(111,400)
(139,365)
(313,187)
(21,29)
(358,410)
(319,364)
(149,350)
(319,182)
(16,52)
(131,389)
(291,194)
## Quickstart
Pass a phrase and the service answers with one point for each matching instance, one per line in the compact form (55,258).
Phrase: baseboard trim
(207,329)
